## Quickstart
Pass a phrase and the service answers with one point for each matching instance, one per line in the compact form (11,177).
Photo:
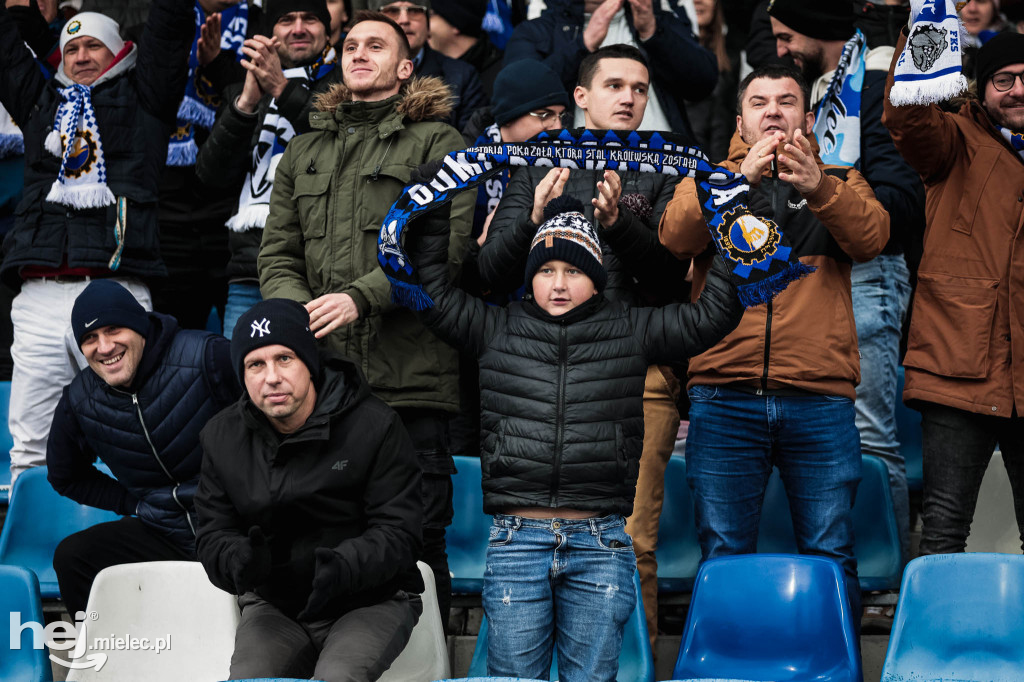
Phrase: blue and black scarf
(762,261)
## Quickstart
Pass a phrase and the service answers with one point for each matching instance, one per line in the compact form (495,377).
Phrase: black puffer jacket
(650,274)
(348,479)
(135,114)
(561,398)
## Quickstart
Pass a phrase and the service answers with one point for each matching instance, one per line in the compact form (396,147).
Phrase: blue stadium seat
(908,433)
(6,442)
(490,679)
(678,546)
(769,617)
(876,536)
(467,536)
(19,594)
(636,662)
(37,520)
(960,617)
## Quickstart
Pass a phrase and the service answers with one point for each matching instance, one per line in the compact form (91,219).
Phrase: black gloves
(330,575)
(250,564)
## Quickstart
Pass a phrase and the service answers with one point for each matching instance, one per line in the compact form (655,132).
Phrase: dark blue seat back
(678,546)
(19,594)
(467,536)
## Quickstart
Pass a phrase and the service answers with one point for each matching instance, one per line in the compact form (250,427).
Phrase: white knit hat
(94,25)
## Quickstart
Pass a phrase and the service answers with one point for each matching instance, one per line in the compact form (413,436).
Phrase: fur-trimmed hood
(421,99)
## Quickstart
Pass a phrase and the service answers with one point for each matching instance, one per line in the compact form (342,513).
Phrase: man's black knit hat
(465,15)
(274,321)
(275,9)
(819,19)
(1002,50)
(567,235)
(523,86)
(104,303)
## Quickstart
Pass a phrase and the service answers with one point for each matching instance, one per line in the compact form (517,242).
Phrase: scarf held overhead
(760,257)
(837,120)
(930,68)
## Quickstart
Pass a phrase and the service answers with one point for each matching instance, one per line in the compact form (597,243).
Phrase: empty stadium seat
(19,594)
(159,600)
(636,662)
(769,617)
(960,617)
(6,442)
(425,657)
(908,433)
(37,520)
(678,546)
(876,536)
(466,537)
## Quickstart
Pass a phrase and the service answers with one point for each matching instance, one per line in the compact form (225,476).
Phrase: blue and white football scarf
(761,259)
(837,120)
(1016,140)
(930,68)
(11,141)
(275,133)
(199,106)
(490,192)
(75,139)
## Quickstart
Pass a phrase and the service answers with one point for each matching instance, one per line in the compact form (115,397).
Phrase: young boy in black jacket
(561,389)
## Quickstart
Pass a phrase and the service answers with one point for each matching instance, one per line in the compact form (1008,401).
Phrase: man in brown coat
(779,389)
(965,355)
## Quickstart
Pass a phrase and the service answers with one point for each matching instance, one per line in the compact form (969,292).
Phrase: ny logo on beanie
(261,326)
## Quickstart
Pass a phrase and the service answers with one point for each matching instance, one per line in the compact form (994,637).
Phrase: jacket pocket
(977,181)
(310,197)
(951,325)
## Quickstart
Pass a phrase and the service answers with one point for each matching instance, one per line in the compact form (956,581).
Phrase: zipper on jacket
(767,349)
(559,413)
(156,456)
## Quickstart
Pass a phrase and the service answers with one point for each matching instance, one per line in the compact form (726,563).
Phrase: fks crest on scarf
(762,262)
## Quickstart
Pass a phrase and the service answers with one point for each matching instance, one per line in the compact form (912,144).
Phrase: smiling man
(139,406)
(309,509)
(965,354)
(779,390)
(332,190)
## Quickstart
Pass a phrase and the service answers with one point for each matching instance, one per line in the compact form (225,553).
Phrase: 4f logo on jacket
(340,465)
(262,326)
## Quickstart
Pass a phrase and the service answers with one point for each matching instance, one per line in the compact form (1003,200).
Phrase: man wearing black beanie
(965,353)
(456,31)
(139,406)
(309,509)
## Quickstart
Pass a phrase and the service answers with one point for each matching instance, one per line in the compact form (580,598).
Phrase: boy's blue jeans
(734,440)
(558,581)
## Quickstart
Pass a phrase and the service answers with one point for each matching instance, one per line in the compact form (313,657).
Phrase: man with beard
(285,69)
(964,361)
(813,35)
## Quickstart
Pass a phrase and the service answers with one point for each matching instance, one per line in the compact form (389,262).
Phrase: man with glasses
(965,355)
(414,19)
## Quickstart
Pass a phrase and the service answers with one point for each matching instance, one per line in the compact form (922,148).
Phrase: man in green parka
(332,190)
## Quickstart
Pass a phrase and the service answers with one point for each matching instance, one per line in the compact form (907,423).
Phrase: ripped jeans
(558,582)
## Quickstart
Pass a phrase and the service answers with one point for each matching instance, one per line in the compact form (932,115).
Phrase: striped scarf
(75,139)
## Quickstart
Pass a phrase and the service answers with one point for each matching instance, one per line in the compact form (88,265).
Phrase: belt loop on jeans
(516,523)
(593,526)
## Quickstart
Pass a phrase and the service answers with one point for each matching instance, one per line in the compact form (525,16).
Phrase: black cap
(104,303)
(523,86)
(465,15)
(1001,50)
(275,9)
(819,19)
(275,321)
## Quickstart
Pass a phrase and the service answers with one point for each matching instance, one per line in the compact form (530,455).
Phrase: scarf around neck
(275,133)
(762,262)
(930,68)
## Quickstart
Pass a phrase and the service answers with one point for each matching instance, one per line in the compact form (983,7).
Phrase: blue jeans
(241,297)
(734,440)
(558,581)
(881,294)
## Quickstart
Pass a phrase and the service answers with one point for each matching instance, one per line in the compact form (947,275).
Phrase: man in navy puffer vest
(149,390)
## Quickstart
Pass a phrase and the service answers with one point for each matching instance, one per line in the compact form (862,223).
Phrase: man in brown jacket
(965,362)
(779,389)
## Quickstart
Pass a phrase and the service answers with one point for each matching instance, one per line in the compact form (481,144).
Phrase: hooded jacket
(966,343)
(332,190)
(680,68)
(347,480)
(147,432)
(805,338)
(135,102)
(561,397)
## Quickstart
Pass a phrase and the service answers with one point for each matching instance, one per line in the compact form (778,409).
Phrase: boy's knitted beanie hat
(568,236)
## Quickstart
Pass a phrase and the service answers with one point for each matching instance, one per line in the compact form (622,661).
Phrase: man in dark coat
(95,145)
(149,389)
(309,509)
(456,31)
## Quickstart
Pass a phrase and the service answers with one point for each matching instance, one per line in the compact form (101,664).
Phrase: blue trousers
(241,297)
